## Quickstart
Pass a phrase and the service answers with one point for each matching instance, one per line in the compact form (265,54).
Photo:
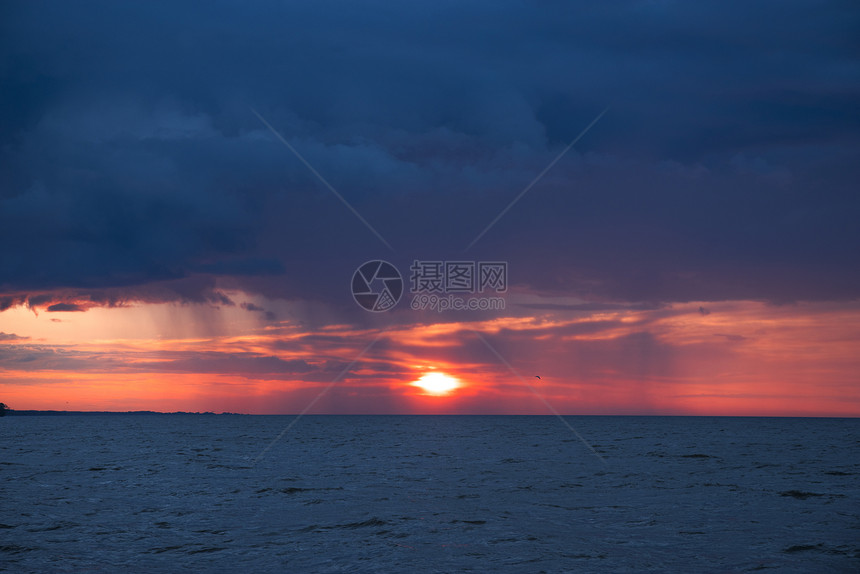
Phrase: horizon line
(54,412)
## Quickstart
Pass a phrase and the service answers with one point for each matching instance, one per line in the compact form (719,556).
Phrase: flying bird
(537,376)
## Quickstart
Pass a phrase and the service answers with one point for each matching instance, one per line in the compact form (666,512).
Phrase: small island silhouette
(6,411)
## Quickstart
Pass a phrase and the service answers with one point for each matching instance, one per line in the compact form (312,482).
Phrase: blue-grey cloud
(64,307)
(11,337)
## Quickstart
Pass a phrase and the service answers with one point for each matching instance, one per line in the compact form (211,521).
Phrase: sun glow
(437,383)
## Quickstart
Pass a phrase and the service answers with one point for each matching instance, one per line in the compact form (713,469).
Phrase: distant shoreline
(30,413)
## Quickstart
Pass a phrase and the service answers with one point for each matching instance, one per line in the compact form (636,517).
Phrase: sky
(188,188)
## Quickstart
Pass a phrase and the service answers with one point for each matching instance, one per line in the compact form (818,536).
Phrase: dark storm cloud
(133,168)
(7,302)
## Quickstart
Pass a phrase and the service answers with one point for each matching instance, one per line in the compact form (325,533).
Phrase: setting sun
(437,383)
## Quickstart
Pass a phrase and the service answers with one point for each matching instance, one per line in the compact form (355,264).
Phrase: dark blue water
(179,493)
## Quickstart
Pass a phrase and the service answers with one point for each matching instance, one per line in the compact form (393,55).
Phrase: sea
(422,494)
